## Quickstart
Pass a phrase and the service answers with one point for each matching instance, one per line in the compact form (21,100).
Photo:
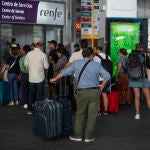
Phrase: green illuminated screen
(123,35)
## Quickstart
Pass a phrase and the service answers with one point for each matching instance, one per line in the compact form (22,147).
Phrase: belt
(87,88)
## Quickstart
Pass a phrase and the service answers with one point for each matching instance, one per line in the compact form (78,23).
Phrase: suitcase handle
(40,107)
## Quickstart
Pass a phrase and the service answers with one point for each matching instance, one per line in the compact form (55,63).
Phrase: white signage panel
(121,8)
(51,13)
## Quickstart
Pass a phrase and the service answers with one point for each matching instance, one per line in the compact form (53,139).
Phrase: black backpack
(135,67)
(107,64)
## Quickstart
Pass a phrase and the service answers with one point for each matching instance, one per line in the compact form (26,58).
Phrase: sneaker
(29,113)
(105,113)
(91,139)
(11,103)
(25,106)
(75,139)
(137,116)
(17,102)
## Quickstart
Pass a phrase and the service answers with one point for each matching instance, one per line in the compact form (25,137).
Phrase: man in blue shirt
(87,93)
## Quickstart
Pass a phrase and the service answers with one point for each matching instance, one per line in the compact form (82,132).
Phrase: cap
(53,42)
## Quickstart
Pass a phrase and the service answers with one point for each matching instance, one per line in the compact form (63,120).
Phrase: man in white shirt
(77,55)
(36,61)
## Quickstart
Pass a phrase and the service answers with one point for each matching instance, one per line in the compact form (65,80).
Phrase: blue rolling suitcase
(4,93)
(47,119)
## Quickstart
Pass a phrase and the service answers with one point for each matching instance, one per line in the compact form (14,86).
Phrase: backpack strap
(100,57)
(83,70)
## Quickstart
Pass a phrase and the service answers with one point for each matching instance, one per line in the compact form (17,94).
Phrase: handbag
(147,65)
(148,73)
(3,72)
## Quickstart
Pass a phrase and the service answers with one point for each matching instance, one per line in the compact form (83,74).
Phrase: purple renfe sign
(24,11)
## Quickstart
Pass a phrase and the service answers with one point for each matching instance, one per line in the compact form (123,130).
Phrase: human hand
(101,86)
(53,80)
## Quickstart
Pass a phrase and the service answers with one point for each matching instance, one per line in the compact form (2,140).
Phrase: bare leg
(105,99)
(147,96)
(137,99)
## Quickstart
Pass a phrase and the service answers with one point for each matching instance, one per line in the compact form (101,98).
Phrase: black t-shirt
(53,54)
(15,68)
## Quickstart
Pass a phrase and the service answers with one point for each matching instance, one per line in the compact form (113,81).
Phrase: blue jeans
(13,80)
(36,93)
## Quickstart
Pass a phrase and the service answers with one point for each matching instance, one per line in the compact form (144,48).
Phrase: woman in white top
(99,51)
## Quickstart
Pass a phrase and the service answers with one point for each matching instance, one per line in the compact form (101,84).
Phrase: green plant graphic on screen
(123,35)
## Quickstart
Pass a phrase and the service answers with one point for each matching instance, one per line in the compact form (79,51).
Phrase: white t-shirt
(76,56)
(103,55)
(97,59)
(36,61)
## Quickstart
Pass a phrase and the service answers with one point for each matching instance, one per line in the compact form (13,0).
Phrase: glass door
(53,33)
(5,39)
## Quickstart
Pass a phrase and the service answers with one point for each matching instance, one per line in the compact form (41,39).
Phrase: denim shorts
(142,83)
(106,89)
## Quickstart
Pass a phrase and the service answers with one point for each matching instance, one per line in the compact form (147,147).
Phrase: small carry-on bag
(4,93)
(113,102)
(47,119)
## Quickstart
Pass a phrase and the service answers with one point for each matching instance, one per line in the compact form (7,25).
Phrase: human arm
(21,64)
(65,72)
(26,62)
(102,85)
(46,64)
(119,66)
(67,64)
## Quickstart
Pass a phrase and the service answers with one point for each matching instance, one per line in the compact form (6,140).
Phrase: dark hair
(14,49)
(100,48)
(27,48)
(87,52)
(60,50)
(76,46)
(123,51)
(53,42)
(60,45)
(13,40)
(83,43)
(33,44)
(138,46)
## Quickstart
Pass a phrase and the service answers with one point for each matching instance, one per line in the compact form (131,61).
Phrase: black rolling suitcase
(47,119)
(62,97)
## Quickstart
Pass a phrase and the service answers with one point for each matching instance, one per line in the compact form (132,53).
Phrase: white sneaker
(75,139)
(11,103)
(92,139)
(25,106)
(137,116)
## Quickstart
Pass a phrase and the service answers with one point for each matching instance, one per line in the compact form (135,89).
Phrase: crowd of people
(26,71)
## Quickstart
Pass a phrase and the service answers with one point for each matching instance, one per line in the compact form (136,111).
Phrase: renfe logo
(51,13)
